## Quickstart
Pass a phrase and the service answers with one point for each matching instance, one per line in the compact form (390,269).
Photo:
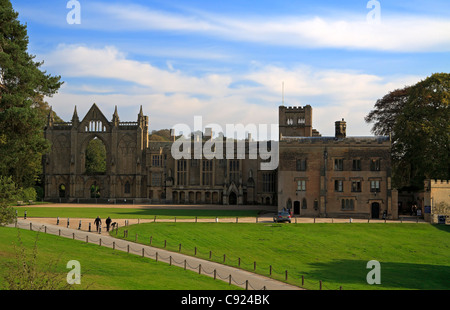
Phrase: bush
(29,194)
(24,273)
(8,193)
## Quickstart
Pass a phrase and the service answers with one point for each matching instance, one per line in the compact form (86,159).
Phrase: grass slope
(412,256)
(102,268)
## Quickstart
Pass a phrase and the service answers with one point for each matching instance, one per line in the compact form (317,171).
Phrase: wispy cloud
(398,33)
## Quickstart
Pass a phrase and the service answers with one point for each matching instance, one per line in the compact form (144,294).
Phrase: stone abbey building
(316,176)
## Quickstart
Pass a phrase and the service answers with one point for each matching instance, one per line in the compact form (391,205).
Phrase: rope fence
(282,275)
(142,251)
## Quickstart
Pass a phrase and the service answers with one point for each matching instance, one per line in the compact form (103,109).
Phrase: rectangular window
(268,182)
(356,186)
(338,186)
(356,165)
(234,170)
(374,186)
(375,165)
(348,204)
(181,172)
(156,179)
(301,164)
(157,160)
(301,185)
(339,164)
(207,172)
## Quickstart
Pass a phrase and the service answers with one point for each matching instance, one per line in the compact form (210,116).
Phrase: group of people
(98,223)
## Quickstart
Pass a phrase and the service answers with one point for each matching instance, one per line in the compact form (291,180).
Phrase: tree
(8,193)
(95,157)
(417,118)
(22,84)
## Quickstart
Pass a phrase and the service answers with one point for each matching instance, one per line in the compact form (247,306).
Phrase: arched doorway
(297,207)
(95,190)
(62,191)
(232,198)
(375,210)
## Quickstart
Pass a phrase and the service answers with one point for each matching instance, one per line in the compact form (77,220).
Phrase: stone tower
(295,122)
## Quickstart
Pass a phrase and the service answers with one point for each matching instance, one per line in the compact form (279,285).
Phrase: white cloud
(108,62)
(170,96)
(398,33)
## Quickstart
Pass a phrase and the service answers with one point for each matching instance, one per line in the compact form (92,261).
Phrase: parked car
(282,216)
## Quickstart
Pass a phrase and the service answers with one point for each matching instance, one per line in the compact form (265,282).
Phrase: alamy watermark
(374,275)
(74,15)
(374,16)
(190,145)
(74,276)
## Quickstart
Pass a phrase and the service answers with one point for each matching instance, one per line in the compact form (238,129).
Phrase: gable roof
(95,114)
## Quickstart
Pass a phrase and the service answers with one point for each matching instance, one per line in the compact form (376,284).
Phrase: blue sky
(227,60)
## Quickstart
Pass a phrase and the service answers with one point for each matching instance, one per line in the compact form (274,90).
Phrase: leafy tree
(95,157)
(22,85)
(417,118)
(8,194)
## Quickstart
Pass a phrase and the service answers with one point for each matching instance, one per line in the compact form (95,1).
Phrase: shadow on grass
(442,227)
(352,274)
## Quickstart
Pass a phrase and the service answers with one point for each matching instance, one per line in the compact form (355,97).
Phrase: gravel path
(235,276)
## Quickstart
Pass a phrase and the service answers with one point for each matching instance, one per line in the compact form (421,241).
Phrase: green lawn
(412,256)
(102,268)
(128,213)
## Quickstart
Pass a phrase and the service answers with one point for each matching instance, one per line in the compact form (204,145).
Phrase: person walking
(108,223)
(97,222)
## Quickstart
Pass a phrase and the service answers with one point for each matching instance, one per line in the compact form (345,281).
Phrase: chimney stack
(340,129)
